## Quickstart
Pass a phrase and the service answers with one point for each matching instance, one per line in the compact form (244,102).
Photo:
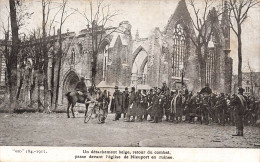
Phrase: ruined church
(167,55)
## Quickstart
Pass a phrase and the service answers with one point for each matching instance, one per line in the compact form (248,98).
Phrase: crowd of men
(181,105)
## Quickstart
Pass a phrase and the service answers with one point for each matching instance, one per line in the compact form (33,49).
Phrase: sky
(144,16)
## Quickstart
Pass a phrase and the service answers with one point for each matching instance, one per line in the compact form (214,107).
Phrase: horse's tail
(68,97)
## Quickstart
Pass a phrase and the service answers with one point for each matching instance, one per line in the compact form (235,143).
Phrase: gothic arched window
(72,57)
(179,50)
(211,62)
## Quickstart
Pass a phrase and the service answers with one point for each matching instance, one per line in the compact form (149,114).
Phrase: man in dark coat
(149,100)
(213,101)
(140,109)
(167,105)
(240,106)
(161,104)
(144,102)
(172,96)
(221,108)
(132,109)
(164,88)
(125,101)
(118,103)
(177,106)
(155,108)
(103,100)
(205,107)
(81,87)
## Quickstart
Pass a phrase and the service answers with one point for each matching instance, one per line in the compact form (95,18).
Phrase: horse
(74,97)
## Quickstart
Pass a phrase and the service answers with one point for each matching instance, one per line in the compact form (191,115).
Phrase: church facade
(167,55)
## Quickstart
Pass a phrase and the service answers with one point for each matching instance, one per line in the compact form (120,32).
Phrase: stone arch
(137,51)
(69,82)
(139,66)
(144,63)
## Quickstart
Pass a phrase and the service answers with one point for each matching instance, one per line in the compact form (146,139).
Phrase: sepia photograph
(130,73)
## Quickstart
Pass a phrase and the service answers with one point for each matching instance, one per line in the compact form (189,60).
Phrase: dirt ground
(55,129)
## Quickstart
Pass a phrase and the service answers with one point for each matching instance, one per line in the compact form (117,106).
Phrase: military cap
(116,87)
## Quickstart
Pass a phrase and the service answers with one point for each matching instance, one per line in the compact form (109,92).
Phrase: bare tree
(45,16)
(38,63)
(64,16)
(203,26)
(46,43)
(12,59)
(100,14)
(21,17)
(238,11)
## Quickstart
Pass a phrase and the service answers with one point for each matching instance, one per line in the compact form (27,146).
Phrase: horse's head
(93,90)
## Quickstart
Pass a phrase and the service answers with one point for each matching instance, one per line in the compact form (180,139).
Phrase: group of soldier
(181,105)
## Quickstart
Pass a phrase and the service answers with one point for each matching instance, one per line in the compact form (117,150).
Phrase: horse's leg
(68,110)
(86,109)
(73,104)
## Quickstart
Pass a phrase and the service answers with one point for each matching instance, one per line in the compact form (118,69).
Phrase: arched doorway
(70,82)
(139,68)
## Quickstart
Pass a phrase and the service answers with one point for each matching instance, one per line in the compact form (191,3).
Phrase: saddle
(81,96)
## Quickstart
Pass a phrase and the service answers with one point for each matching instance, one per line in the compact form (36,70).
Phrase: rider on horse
(81,87)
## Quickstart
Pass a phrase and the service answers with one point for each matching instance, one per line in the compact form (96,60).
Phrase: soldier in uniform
(204,106)
(132,109)
(240,106)
(164,87)
(118,100)
(167,105)
(144,102)
(103,100)
(221,108)
(176,106)
(125,101)
(172,97)
(81,88)
(192,106)
(140,109)
(213,100)
(161,104)
(149,100)
(155,107)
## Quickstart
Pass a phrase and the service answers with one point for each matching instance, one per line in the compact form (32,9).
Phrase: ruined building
(167,55)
